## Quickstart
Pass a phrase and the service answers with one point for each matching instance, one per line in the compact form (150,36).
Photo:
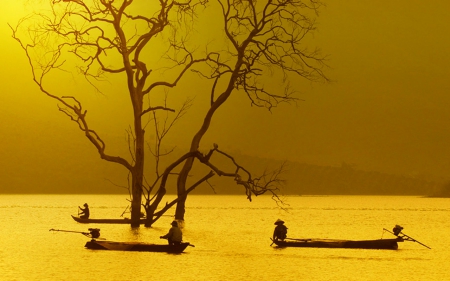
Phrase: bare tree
(105,38)
(114,38)
(264,36)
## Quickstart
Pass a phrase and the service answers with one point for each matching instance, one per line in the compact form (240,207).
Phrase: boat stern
(94,245)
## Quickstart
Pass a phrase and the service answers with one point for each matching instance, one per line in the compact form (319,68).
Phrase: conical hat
(279,221)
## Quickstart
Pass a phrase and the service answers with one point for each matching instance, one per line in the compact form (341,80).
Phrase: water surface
(231,238)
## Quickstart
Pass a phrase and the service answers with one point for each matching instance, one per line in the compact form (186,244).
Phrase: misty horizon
(385,110)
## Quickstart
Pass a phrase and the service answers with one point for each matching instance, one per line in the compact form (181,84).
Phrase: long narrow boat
(110,221)
(382,244)
(136,246)
(95,244)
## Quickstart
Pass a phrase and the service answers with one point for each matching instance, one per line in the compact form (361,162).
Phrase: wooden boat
(136,246)
(382,244)
(110,221)
(385,244)
(95,244)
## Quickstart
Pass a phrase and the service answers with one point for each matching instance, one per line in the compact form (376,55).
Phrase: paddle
(94,232)
(84,233)
(408,238)
(414,240)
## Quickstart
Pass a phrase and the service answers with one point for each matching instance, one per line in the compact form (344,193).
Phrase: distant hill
(94,176)
(305,179)
(441,191)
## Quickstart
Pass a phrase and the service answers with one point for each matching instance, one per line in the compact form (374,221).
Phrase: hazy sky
(387,109)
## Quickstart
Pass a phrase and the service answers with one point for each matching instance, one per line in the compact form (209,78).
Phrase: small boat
(382,244)
(136,246)
(110,221)
(95,244)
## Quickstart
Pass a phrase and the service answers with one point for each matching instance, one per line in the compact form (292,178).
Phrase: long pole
(414,240)
(68,231)
(408,238)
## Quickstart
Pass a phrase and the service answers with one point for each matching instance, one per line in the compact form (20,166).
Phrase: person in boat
(397,230)
(280,231)
(84,211)
(175,236)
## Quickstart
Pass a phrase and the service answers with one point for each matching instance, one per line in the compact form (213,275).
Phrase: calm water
(231,238)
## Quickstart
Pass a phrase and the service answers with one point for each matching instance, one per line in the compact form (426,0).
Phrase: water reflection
(231,238)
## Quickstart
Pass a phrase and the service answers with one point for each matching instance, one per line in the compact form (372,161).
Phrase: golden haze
(387,108)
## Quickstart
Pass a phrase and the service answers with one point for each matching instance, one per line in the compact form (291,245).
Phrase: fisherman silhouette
(175,236)
(280,230)
(84,211)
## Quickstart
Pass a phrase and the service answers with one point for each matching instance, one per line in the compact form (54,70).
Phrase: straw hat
(279,221)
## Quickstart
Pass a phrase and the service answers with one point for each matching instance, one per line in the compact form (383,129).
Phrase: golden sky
(386,110)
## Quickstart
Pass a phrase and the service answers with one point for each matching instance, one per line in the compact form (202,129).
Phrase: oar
(414,240)
(85,233)
(410,238)
(389,231)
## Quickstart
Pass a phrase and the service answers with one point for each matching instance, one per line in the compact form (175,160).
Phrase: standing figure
(175,236)
(84,211)
(280,231)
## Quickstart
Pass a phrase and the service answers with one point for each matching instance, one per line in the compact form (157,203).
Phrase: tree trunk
(181,189)
(136,190)
(195,144)
(136,202)
(138,169)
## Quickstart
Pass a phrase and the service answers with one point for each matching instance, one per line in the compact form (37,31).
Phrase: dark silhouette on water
(280,231)
(386,244)
(397,231)
(84,211)
(97,243)
(93,233)
(174,236)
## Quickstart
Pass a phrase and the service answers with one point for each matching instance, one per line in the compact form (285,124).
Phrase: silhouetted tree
(264,37)
(108,38)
